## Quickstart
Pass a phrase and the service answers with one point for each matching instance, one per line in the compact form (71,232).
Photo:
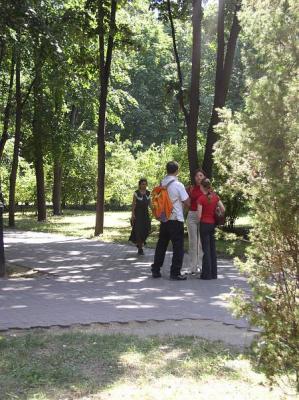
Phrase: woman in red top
(207,204)
(195,250)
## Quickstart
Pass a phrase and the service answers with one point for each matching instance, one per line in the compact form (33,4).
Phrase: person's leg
(160,249)
(176,233)
(192,225)
(140,247)
(213,254)
(199,247)
(205,241)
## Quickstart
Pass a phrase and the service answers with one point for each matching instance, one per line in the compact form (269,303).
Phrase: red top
(194,193)
(208,207)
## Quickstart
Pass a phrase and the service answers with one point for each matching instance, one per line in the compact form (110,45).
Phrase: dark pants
(209,261)
(170,231)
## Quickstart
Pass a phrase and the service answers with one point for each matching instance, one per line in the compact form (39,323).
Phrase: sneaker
(178,277)
(156,275)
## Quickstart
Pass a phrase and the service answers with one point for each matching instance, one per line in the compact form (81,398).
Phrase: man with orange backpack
(168,201)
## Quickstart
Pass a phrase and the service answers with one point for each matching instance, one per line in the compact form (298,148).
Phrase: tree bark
(16,149)
(223,75)
(57,150)
(2,53)
(57,187)
(178,63)
(104,74)
(73,116)
(37,139)
(7,110)
(2,252)
(191,116)
(194,88)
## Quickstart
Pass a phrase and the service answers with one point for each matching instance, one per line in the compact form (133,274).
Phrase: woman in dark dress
(141,223)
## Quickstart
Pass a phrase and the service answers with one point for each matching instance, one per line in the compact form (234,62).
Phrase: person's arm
(189,189)
(221,206)
(187,202)
(149,199)
(199,211)
(185,199)
(133,207)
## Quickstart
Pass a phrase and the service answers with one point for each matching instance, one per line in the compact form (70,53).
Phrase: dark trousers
(170,231)
(209,261)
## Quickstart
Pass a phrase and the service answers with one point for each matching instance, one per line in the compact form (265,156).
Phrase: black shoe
(140,252)
(178,277)
(156,275)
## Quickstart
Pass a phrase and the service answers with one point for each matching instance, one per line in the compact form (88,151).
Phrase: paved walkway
(89,281)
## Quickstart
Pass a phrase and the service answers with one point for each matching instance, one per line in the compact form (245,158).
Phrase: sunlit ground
(82,365)
(116,228)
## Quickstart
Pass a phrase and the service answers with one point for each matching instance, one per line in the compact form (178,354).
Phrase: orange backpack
(161,204)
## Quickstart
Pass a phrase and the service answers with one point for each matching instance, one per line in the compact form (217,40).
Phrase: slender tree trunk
(223,75)
(15,160)
(2,252)
(37,140)
(105,67)
(57,187)
(191,116)
(178,63)
(2,53)
(57,152)
(7,110)
(73,116)
(194,88)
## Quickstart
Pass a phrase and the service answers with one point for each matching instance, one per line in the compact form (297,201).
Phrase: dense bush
(258,152)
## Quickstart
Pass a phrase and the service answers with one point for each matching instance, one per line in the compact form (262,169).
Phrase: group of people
(201,202)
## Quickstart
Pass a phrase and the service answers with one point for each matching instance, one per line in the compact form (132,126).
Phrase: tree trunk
(15,160)
(2,52)
(2,252)
(194,88)
(191,116)
(223,75)
(73,116)
(105,67)
(4,136)
(57,145)
(57,187)
(37,140)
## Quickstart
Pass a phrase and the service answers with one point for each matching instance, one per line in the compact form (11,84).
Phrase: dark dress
(142,225)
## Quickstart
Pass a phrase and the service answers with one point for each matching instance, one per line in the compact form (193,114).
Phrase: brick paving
(89,281)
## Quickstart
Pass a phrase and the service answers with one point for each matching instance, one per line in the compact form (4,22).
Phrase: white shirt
(177,194)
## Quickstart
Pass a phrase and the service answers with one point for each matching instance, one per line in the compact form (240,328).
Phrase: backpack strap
(168,184)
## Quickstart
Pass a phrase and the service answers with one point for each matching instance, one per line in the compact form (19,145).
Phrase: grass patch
(73,365)
(116,229)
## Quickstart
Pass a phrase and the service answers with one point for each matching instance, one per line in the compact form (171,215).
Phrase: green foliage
(142,100)
(80,177)
(258,152)
(126,163)
(25,190)
(121,176)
